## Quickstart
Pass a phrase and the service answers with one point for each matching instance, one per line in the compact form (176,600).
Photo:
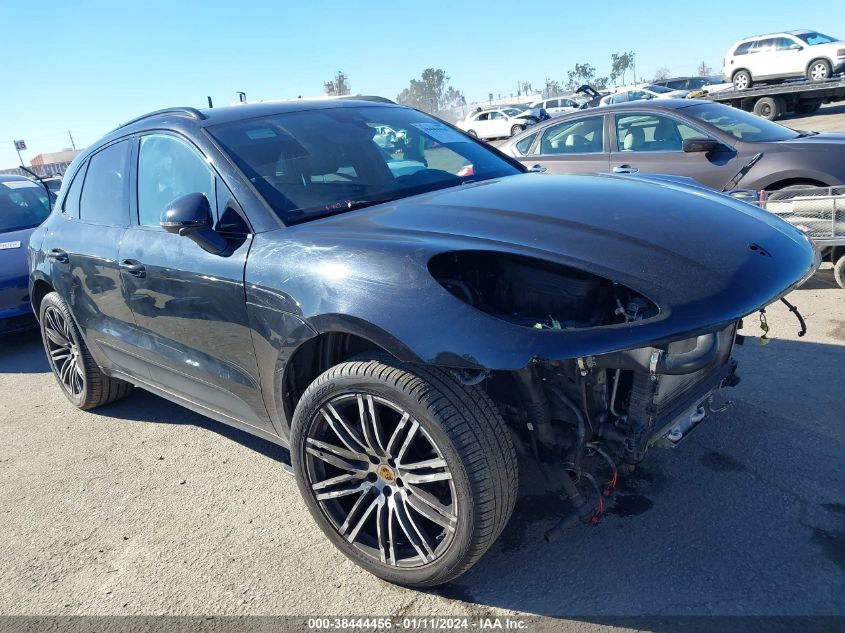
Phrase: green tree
(620,64)
(338,86)
(552,88)
(584,74)
(431,92)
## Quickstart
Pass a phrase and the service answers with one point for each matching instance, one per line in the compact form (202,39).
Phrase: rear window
(23,205)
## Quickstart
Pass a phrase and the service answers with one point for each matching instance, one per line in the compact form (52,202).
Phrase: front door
(646,143)
(571,147)
(189,304)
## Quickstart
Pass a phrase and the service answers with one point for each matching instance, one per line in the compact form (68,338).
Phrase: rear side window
(525,144)
(70,206)
(743,48)
(104,197)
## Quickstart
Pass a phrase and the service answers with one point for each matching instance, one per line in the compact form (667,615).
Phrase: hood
(704,259)
(813,140)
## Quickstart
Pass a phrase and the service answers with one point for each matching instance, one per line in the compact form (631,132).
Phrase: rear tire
(471,476)
(742,80)
(819,70)
(78,375)
(472,133)
(769,108)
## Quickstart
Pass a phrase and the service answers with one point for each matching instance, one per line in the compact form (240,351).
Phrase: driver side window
(167,169)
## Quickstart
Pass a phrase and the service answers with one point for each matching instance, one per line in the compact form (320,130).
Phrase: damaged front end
(583,418)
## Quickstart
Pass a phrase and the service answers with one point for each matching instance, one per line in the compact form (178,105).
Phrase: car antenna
(42,183)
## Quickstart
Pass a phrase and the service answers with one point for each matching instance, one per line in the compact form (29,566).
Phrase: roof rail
(181,111)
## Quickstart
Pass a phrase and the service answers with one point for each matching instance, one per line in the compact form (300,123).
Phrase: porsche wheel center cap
(386,473)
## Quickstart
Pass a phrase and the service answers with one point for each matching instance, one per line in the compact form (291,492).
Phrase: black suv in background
(403,318)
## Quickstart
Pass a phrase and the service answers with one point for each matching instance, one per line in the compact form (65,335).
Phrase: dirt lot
(143,507)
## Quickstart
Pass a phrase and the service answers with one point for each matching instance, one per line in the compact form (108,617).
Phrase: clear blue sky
(87,66)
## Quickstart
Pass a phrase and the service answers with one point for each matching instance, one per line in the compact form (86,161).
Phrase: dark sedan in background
(23,206)
(719,146)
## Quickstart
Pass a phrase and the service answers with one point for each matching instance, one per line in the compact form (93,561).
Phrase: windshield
(742,125)
(317,162)
(23,205)
(658,89)
(816,38)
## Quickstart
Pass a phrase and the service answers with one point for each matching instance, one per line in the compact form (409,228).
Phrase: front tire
(516,129)
(819,70)
(409,472)
(78,375)
(472,133)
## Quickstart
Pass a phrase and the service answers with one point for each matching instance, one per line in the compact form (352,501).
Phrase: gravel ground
(143,507)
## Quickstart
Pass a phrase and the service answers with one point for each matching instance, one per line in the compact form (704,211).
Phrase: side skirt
(201,409)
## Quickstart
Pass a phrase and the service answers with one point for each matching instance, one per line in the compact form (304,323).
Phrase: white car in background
(496,122)
(778,56)
(558,105)
(642,93)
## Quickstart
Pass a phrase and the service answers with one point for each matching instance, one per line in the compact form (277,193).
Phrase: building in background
(47,165)
(65,156)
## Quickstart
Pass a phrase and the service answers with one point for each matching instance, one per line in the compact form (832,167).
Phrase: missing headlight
(535,293)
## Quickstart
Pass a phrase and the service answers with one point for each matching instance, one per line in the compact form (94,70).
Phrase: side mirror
(700,144)
(190,216)
(796,47)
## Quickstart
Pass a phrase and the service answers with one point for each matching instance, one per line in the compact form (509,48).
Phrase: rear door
(189,304)
(83,249)
(648,143)
(573,146)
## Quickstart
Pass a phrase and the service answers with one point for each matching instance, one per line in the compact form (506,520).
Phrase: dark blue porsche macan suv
(402,306)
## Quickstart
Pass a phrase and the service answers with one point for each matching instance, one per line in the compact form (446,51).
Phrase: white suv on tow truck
(779,56)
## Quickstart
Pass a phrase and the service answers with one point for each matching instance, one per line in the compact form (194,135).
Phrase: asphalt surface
(143,507)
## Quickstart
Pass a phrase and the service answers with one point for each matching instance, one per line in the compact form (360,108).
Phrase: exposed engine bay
(583,418)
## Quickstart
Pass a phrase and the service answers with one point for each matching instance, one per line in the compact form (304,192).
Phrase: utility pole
(72,144)
(634,65)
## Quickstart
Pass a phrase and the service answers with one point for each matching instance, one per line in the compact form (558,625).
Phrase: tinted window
(483,116)
(496,115)
(525,144)
(71,204)
(281,153)
(23,205)
(783,43)
(104,199)
(167,169)
(584,136)
(649,133)
(553,103)
(743,48)
(677,84)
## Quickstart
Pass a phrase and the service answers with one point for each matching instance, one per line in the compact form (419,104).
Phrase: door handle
(625,169)
(58,255)
(134,268)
